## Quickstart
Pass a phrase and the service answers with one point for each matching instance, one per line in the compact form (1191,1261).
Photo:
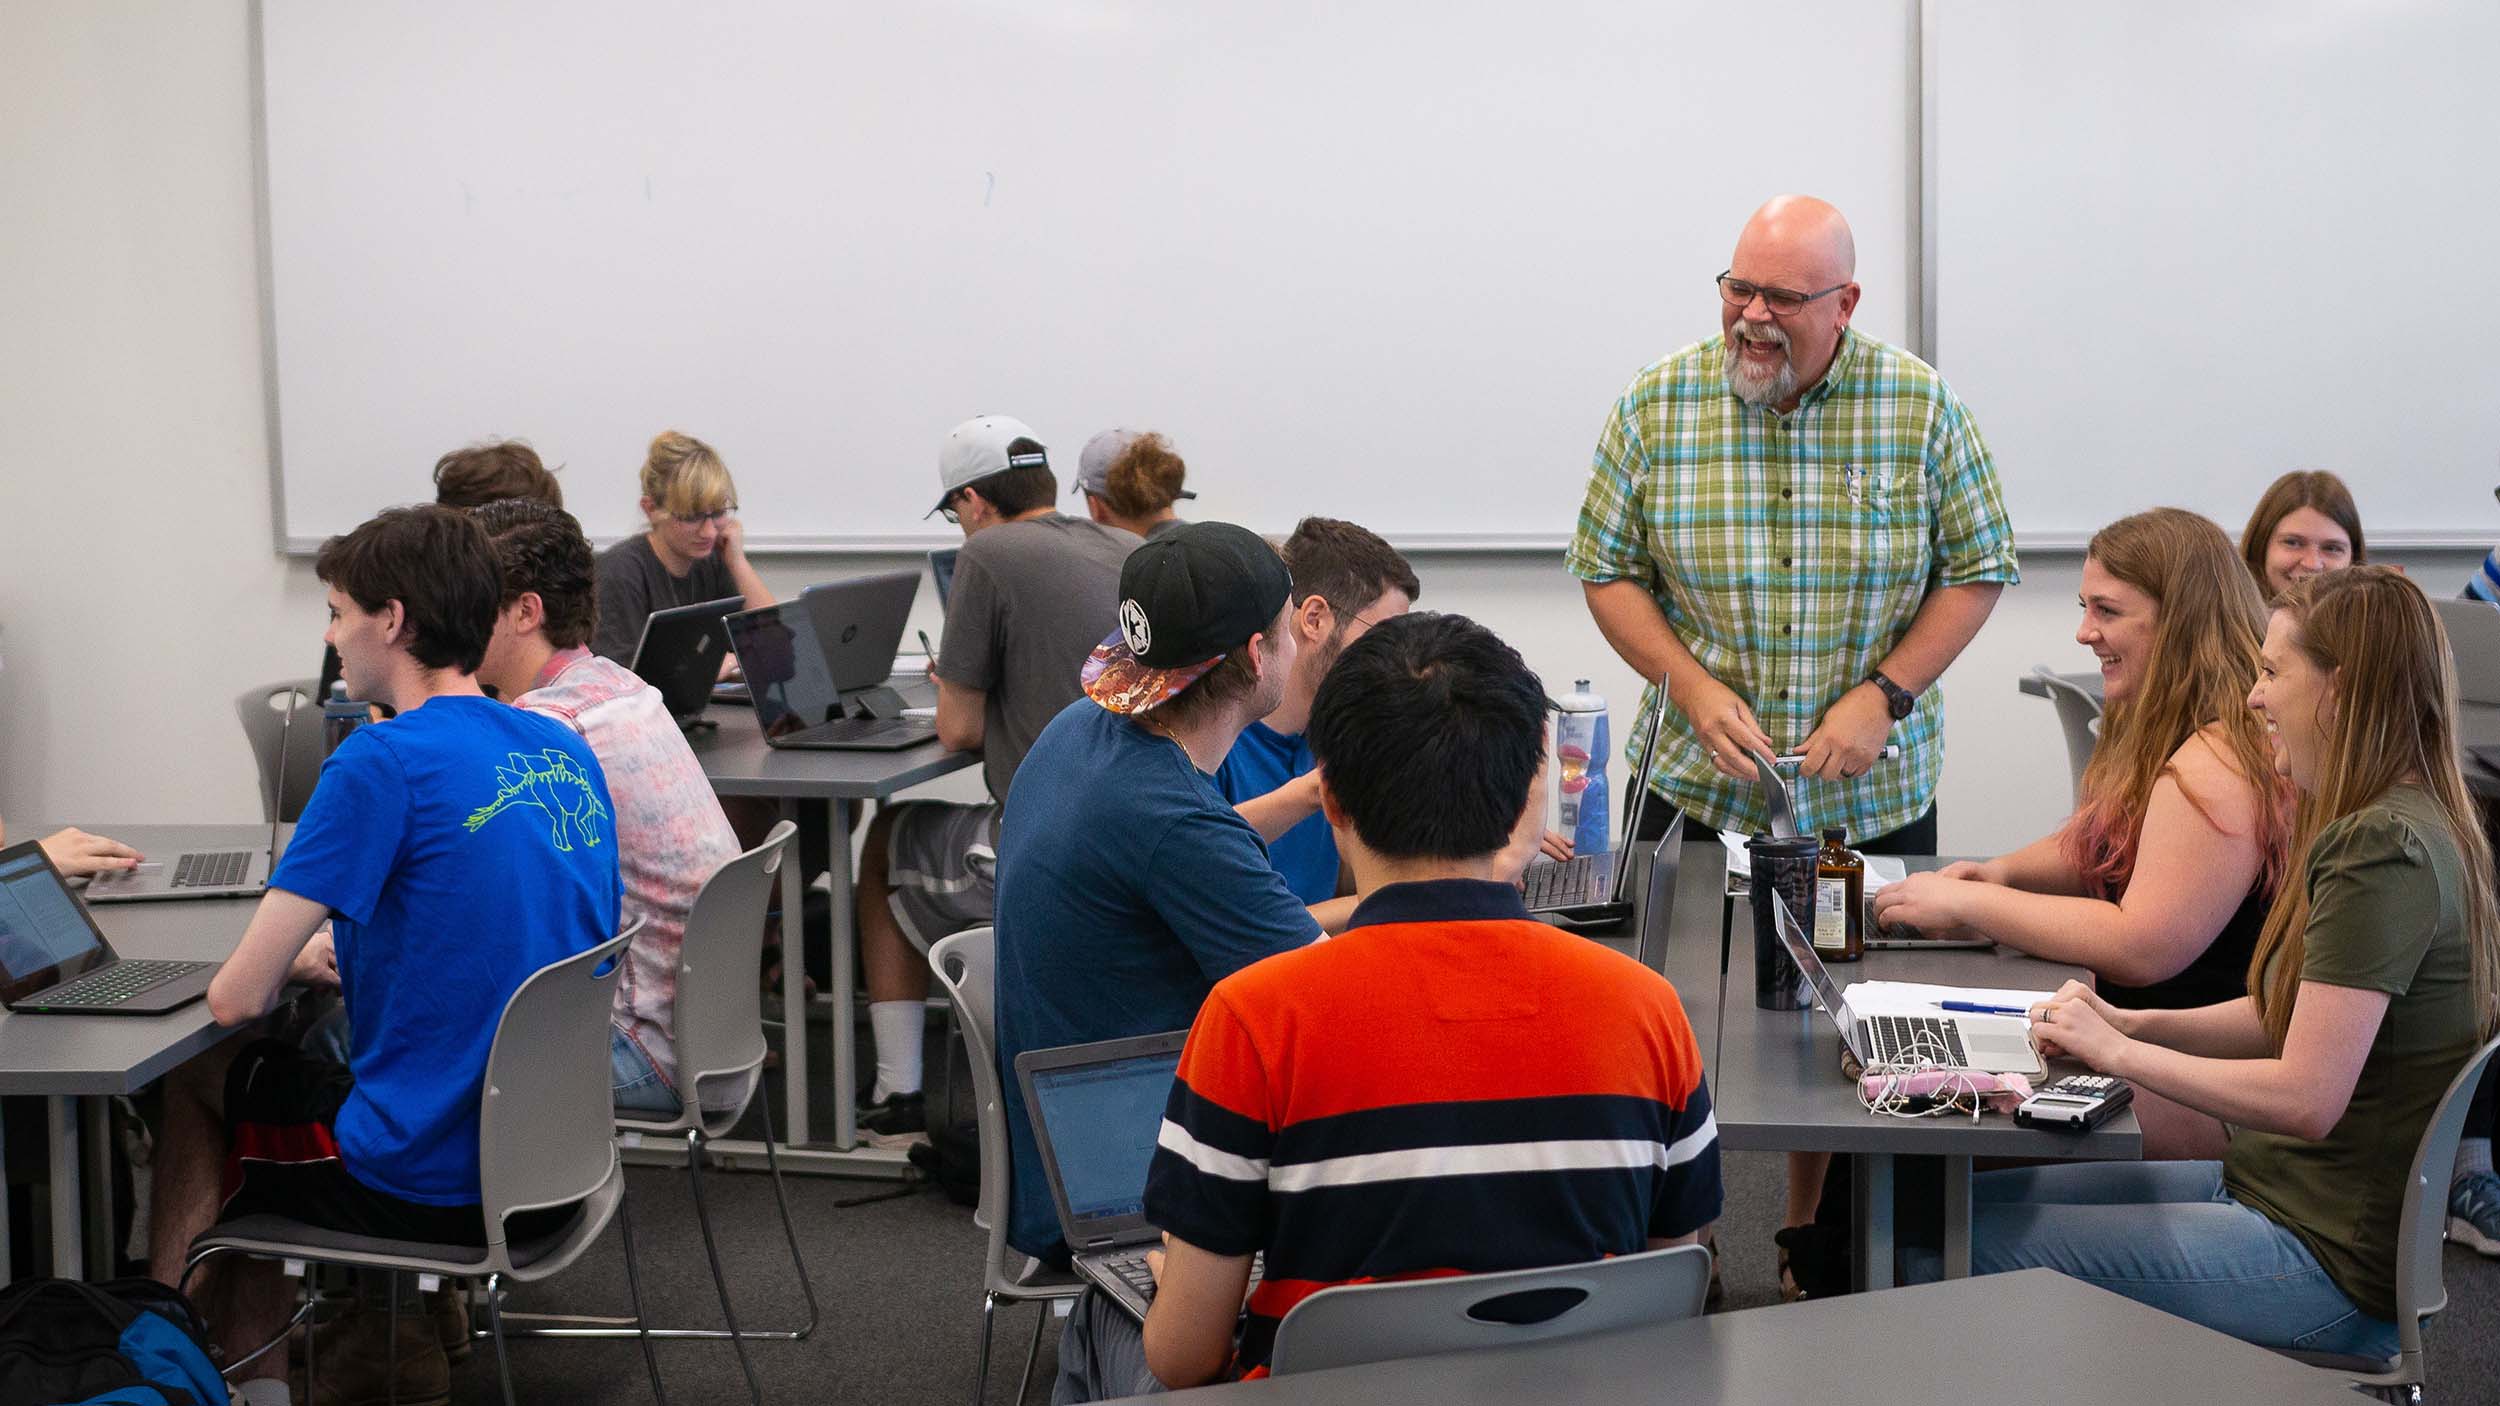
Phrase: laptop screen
(1102,1120)
(784,668)
(942,571)
(1819,977)
(42,929)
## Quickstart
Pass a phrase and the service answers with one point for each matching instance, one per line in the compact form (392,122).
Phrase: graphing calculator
(2077,1103)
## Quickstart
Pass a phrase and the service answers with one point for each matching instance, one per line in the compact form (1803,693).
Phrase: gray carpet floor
(898,1281)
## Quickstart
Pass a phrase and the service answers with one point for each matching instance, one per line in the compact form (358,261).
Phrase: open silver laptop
(1997,1044)
(1097,1110)
(205,873)
(1589,888)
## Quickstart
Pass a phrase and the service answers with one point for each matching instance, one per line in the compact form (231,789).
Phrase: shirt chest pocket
(1879,521)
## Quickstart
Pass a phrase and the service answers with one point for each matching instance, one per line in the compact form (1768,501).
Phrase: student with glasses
(694,551)
(1792,529)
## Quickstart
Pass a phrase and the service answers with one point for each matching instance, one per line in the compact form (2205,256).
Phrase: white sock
(899,1026)
(2473,1156)
(263,1391)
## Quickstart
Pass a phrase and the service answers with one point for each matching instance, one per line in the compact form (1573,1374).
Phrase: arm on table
(247,986)
(2300,1093)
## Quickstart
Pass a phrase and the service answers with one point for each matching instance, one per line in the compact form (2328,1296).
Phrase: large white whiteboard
(1384,261)
(2184,245)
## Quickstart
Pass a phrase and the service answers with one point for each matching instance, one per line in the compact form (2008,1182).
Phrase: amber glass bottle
(1839,900)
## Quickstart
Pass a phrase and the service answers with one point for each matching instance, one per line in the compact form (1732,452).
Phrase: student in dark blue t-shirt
(1345,580)
(452,851)
(1127,883)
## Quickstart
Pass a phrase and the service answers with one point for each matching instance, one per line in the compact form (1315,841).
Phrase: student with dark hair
(2305,524)
(671,833)
(452,853)
(1034,589)
(1131,480)
(1127,884)
(694,550)
(1527,1097)
(490,472)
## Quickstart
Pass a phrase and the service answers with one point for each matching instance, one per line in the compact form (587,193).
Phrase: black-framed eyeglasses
(946,507)
(1781,301)
(717,515)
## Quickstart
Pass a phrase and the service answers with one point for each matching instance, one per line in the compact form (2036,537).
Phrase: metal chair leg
(789,1230)
(711,1253)
(989,1318)
(1033,1353)
(494,1320)
(633,1290)
(391,1391)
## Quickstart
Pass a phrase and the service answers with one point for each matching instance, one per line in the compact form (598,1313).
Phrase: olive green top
(2386,913)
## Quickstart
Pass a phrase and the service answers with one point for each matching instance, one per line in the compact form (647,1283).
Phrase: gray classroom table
(738,763)
(1776,1084)
(1961,1340)
(74,1063)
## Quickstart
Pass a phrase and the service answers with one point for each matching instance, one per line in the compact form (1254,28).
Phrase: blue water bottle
(340,715)
(1580,744)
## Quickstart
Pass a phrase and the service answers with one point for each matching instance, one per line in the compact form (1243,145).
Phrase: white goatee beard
(1759,387)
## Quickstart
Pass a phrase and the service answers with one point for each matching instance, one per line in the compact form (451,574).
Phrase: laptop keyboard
(1130,1269)
(1568,883)
(212,869)
(1904,1039)
(119,983)
(867,730)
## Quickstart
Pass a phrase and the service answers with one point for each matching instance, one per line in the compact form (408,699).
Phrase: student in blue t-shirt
(1127,883)
(452,851)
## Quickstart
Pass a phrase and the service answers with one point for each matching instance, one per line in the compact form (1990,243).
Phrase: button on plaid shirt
(1790,553)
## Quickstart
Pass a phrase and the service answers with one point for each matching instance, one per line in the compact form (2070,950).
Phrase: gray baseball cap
(1093,465)
(982,446)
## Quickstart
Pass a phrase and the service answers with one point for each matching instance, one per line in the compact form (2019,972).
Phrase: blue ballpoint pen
(1978,1008)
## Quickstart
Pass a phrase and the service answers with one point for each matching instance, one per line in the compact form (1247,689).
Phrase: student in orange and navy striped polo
(1449,1087)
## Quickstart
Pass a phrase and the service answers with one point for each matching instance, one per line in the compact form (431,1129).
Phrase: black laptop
(681,651)
(816,667)
(54,960)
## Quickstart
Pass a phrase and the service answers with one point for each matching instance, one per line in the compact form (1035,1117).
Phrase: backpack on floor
(129,1342)
(952,1158)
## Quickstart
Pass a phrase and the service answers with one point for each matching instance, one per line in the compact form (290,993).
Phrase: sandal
(1716,1298)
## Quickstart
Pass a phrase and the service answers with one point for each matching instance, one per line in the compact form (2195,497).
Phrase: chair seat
(1036,1280)
(278,1237)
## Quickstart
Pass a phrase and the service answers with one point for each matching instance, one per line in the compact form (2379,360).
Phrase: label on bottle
(1831,915)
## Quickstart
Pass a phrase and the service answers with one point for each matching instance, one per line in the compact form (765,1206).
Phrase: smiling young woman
(2305,526)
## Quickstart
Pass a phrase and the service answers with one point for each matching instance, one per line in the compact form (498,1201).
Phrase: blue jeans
(639,1088)
(2164,1234)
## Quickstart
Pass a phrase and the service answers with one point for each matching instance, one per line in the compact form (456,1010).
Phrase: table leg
(1870,1183)
(68,1236)
(794,1042)
(8,1251)
(1957,1218)
(95,1135)
(845,943)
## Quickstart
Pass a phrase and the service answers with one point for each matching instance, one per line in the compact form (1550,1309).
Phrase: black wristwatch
(1898,701)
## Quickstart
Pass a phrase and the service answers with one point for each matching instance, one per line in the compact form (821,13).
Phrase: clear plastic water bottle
(1580,747)
(340,715)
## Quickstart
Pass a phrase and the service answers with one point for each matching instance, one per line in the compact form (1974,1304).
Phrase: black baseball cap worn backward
(1198,592)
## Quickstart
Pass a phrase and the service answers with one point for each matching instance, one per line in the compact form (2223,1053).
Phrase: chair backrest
(545,1135)
(966,964)
(1422,1317)
(2474,638)
(2420,1289)
(287,759)
(719,1018)
(2079,713)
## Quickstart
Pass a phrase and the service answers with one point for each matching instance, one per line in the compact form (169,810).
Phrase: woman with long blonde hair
(2377,976)
(694,548)
(2160,881)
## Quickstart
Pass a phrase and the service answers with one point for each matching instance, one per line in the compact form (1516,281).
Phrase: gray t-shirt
(1031,600)
(632,584)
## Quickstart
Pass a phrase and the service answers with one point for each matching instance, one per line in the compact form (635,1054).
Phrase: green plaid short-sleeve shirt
(1790,552)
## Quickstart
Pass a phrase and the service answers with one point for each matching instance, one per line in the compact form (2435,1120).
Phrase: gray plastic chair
(2421,1290)
(1356,1323)
(545,1139)
(719,1028)
(966,965)
(287,756)
(2079,713)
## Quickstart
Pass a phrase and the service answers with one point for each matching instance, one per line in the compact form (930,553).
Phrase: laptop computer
(1588,888)
(680,653)
(54,960)
(942,571)
(2473,628)
(795,683)
(1097,1110)
(1649,943)
(1997,1044)
(205,873)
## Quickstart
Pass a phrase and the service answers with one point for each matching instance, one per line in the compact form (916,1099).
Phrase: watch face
(1902,702)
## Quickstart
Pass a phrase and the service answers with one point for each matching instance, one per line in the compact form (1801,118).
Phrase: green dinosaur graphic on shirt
(551,782)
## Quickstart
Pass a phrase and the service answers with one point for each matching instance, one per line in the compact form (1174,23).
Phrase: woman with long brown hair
(2159,882)
(2305,526)
(2376,977)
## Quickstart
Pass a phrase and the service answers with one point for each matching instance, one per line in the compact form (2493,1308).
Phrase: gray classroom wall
(142,592)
